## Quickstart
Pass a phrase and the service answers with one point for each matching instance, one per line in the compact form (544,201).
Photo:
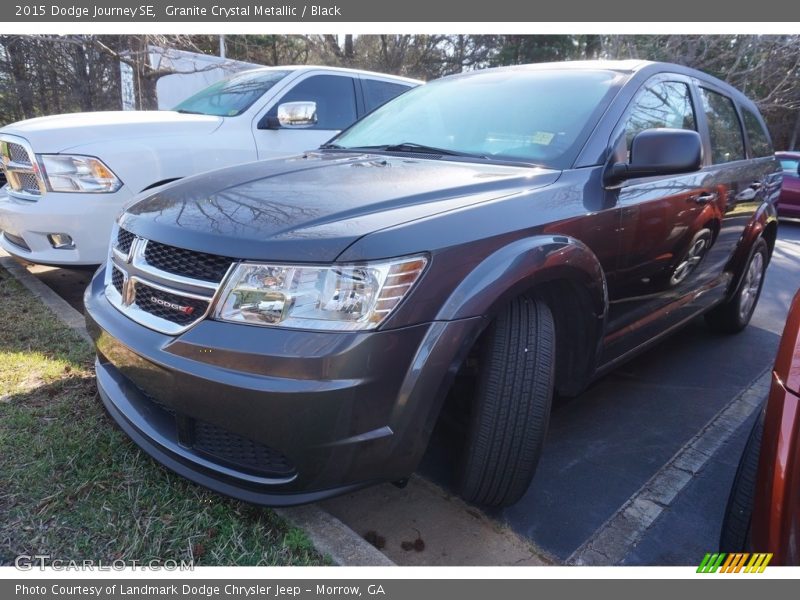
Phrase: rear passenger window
(335,97)
(663,104)
(724,128)
(758,136)
(377,92)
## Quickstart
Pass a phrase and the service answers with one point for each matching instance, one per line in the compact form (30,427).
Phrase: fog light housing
(61,241)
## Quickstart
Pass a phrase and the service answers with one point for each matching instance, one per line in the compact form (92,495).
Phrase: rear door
(742,177)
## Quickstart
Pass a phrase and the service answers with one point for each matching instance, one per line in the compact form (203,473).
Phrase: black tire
(728,317)
(511,406)
(735,534)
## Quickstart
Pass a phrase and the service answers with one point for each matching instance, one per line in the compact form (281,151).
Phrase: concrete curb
(329,535)
(613,541)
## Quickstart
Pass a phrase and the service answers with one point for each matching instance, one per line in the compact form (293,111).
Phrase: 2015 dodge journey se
(286,330)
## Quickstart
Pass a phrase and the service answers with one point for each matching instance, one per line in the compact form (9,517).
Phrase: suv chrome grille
(20,168)
(163,287)
(187,263)
(124,240)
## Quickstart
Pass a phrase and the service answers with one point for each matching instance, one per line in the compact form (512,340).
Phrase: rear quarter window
(756,134)
(724,129)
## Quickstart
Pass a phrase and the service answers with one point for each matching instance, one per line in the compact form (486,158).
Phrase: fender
(522,265)
(567,275)
(764,219)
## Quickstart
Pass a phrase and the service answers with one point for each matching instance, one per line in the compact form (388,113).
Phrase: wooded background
(41,75)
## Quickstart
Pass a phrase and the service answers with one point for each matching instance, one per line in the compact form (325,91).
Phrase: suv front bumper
(344,409)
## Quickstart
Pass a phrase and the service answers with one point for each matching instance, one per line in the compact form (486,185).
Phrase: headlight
(336,297)
(65,173)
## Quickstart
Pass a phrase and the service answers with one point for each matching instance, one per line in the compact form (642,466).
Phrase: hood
(311,208)
(62,132)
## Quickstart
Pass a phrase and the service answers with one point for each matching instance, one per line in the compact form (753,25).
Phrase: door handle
(746,195)
(705,198)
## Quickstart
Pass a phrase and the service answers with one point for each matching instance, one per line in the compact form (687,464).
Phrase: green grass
(75,487)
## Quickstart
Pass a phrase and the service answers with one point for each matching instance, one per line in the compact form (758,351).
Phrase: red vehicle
(763,513)
(789,202)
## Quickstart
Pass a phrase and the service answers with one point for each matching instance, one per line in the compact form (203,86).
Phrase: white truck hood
(62,132)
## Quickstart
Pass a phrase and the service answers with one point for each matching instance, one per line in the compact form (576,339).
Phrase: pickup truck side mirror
(292,115)
(659,152)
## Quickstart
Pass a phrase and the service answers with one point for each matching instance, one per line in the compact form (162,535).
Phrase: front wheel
(511,405)
(733,315)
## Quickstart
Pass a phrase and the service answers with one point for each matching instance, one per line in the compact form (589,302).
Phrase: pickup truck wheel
(733,315)
(735,534)
(511,406)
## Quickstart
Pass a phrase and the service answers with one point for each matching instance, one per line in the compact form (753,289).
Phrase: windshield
(540,117)
(231,97)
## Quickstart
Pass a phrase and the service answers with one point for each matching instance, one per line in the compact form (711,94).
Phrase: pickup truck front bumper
(86,218)
(276,416)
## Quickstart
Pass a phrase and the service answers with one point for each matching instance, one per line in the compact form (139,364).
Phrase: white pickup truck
(68,176)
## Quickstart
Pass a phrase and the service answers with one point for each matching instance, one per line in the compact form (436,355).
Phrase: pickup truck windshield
(540,117)
(231,97)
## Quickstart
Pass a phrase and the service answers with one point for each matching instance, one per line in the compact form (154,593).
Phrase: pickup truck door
(335,95)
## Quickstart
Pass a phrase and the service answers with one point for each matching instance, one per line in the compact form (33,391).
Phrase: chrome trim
(11,168)
(136,271)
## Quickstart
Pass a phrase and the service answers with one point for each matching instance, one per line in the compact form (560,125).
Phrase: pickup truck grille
(20,168)
(163,287)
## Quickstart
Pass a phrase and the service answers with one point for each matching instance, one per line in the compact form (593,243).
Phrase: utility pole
(222,46)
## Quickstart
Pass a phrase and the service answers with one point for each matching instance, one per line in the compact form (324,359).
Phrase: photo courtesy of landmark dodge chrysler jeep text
(291,329)
(69,176)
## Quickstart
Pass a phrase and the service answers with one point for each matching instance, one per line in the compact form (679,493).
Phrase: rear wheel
(735,535)
(734,315)
(511,405)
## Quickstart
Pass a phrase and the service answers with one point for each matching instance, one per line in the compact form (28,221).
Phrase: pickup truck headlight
(335,297)
(65,173)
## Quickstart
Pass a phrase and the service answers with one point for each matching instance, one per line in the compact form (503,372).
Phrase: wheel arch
(564,273)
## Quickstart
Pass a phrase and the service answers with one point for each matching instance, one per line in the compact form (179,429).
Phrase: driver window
(335,97)
(663,104)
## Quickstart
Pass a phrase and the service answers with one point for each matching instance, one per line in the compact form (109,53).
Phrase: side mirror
(292,115)
(659,152)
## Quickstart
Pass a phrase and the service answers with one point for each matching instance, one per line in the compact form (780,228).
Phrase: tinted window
(231,97)
(663,104)
(335,97)
(380,92)
(723,127)
(759,139)
(533,116)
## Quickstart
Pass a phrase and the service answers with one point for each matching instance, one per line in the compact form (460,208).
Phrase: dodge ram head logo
(187,310)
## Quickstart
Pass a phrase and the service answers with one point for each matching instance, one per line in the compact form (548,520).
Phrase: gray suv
(287,330)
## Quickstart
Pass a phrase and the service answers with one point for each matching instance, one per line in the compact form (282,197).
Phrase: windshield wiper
(413,147)
(183,111)
(332,147)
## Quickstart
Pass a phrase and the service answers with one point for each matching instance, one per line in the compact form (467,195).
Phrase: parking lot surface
(603,447)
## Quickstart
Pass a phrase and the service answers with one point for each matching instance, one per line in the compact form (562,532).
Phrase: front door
(335,97)
(668,228)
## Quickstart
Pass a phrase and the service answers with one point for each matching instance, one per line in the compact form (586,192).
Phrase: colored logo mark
(735,562)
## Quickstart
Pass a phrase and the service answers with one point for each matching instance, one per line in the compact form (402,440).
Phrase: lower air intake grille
(240,452)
